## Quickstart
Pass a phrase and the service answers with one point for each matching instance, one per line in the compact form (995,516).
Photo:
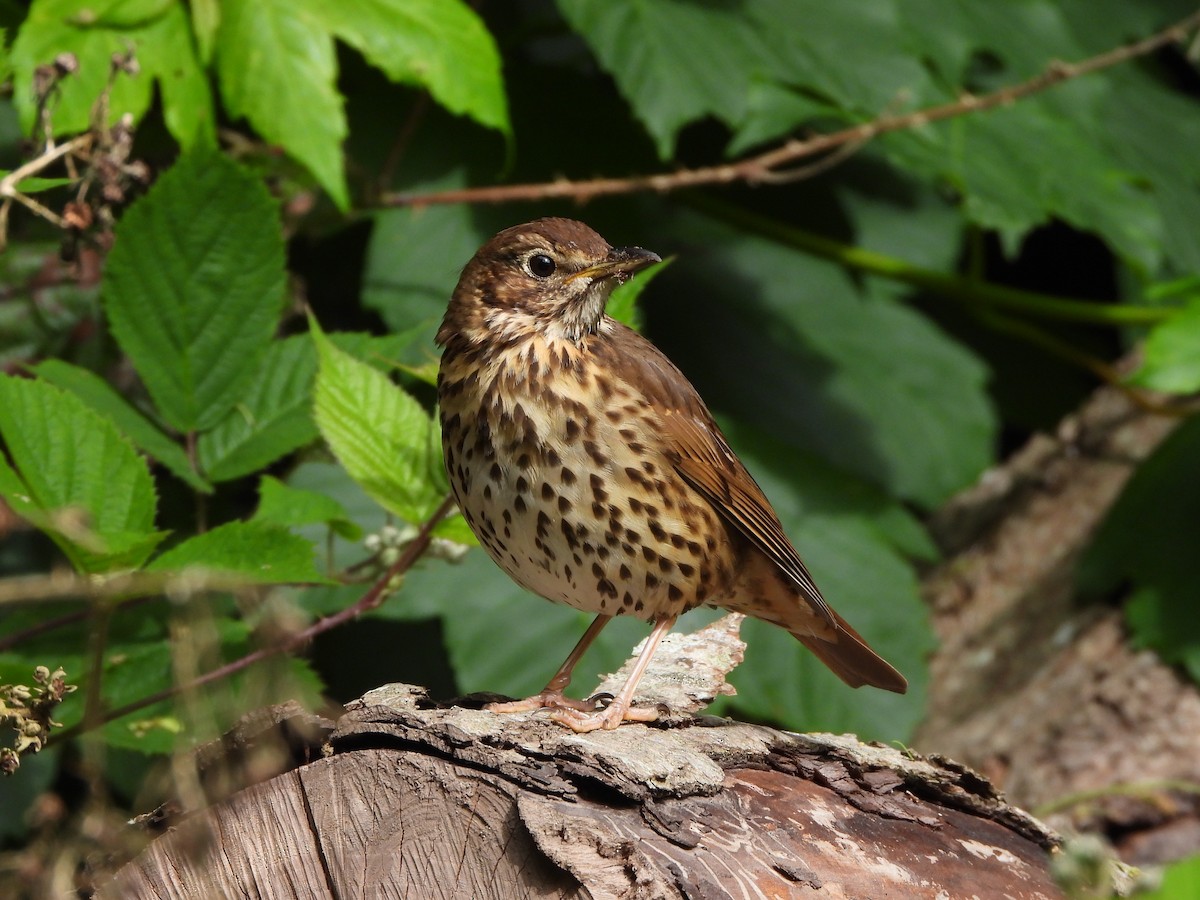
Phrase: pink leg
(621,709)
(552,694)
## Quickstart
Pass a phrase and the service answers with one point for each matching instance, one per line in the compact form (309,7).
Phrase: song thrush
(592,472)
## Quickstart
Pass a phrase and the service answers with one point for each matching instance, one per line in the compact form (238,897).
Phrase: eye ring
(540,265)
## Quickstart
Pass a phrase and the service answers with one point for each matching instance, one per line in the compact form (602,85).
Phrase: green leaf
(1180,881)
(1147,541)
(120,13)
(622,304)
(194,287)
(382,436)
(159,34)
(257,551)
(441,45)
(410,290)
(1164,620)
(673,62)
(206,21)
(101,397)
(272,417)
(79,477)
(280,504)
(1171,357)
(277,68)
(133,670)
(1021,165)
(35,185)
(856,377)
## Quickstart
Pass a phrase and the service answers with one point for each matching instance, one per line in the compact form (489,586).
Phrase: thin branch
(9,182)
(400,145)
(766,166)
(965,290)
(1175,407)
(371,599)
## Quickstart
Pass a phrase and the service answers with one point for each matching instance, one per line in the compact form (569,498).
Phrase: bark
(416,800)
(1040,689)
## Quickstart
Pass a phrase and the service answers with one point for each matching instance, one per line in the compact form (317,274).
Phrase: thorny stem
(771,165)
(368,601)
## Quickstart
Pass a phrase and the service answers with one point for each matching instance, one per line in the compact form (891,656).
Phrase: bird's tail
(852,660)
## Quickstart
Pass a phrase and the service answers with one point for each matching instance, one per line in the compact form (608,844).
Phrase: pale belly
(576,505)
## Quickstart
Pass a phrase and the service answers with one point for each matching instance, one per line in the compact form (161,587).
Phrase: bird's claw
(545,700)
(607,718)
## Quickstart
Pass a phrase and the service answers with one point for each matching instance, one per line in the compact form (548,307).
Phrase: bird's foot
(608,718)
(545,700)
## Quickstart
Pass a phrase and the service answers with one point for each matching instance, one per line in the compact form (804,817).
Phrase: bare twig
(371,599)
(766,167)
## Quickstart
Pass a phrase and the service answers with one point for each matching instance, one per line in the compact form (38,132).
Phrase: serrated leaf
(194,287)
(1171,355)
(272,417)
(277,68)
(441,45)
(333,481)
(673,62)
(1021,165)
(91,491)
(160,37)
(259,552)
(280,504)
(100,396)
(383,437)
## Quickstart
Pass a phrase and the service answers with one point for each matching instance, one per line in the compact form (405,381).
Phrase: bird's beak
(620,263)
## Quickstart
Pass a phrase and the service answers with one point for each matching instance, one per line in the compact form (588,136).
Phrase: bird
(593,474)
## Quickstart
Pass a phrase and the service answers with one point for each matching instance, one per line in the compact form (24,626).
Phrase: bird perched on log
(593,474)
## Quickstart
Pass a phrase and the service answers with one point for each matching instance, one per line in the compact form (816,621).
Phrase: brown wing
(704,459)
(706,462)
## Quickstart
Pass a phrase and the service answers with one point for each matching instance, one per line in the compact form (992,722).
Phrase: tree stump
(412,799)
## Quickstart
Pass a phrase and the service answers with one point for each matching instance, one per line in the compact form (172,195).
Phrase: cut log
(412,799)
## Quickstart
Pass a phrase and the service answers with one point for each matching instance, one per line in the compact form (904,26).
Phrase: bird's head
(550,276)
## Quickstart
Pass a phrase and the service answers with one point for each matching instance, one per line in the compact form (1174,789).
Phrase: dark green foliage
(846,328)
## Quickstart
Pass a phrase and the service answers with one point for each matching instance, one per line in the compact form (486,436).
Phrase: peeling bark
(1037,688)
(416,800)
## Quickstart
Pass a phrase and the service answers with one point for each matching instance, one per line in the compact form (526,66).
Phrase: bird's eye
(540,265)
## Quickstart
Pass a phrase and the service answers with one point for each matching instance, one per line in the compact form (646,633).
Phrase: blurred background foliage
(873,337)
